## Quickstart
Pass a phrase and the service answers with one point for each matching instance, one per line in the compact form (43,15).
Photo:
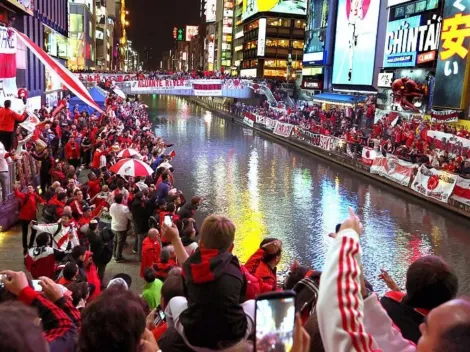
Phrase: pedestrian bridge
(228,88)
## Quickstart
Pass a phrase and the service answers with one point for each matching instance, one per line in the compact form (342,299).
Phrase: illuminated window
(299,24)
(298,44)
(278,22)
(76,23)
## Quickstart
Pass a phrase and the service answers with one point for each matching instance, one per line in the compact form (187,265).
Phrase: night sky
(152,22)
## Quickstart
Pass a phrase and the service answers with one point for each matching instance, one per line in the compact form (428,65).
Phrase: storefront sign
(385,80)
(394,169)
(434,183)
(452,71)
(210,53)
(356,37)
(283,129)
(210,6)
(191,32)
(261,37)
(412,40)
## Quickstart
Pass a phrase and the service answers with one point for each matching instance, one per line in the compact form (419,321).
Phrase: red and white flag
(462,191)
(368,155)
(66,77)
(8,48)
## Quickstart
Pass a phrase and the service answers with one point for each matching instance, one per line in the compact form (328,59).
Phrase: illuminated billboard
(356,36)
(413,40)
(292,7)
(210,10)
(191,31)
(315,32)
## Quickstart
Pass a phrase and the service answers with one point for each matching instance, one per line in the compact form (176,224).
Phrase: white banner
(261,37)
(462,190)
(270,123)
(283,129)
(260,119)
(151,85)
(394,169)
(248,121)
(207,87)
(434,183)
(368,155)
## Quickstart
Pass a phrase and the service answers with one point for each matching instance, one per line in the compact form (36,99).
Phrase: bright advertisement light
(293,7)
(356,37)
(191,31)
(211,49)
(210,10)
(315,31)
(261,36)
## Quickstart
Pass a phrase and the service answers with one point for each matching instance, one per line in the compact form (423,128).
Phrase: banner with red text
(283,129)
(207,87)
(260,119)
(247,121)
(166,86)
(270,123)
(436,184)
(462,190)
(368,155)
(8,48)
(394,169)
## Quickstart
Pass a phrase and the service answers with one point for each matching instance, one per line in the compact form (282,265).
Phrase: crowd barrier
(431,183)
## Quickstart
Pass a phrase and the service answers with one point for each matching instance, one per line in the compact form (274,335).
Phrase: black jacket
(187,210)
(101,245)
(215,288)
(140,216)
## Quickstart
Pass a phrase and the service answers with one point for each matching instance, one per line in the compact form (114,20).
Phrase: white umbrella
(128,153)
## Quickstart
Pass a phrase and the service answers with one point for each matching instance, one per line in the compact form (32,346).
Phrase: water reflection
(268,189)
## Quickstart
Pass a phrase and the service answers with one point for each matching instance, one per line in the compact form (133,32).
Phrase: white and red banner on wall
(8,49)
(462,190)
(394,169)
(207,87)
(283,129)
(247,121)
(436,184)
(368,155)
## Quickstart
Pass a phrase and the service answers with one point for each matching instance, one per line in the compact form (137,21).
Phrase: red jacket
(150,254)
(265,275)
(72,150)
(40,261)
(59,206)
(8,118)
(162,270)
(94,187)
(95,163)
(28,205)
(252,284)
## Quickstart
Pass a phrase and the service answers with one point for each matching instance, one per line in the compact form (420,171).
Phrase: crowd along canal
(270,189)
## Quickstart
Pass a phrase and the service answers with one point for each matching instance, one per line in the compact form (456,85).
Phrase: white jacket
(341,309)
(61,240)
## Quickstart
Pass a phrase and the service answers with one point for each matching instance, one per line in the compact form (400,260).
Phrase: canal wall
(355,165)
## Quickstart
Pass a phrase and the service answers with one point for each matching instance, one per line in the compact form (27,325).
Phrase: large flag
(8,48)
(67,78)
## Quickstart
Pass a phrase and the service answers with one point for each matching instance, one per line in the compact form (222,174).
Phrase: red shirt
(150,254)
(8,118)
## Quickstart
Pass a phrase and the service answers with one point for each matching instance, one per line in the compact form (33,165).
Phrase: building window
(251,45)
(298,44)
(251,26)
(277,43)
(275,63)
(299,24)
(76,23)
(279,22)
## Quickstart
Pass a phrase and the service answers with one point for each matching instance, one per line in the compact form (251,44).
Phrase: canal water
(270,189)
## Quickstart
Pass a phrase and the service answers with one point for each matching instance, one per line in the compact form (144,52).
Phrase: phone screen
(159,316)
(167,220)
(36,286)
(275,320)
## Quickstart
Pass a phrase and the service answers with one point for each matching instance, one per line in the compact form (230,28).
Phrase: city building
(237,35)
(223,35)
(82,35)
(105,19)
(318,47)
(273,45)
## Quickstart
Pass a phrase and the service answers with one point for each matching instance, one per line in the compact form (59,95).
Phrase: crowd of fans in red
(198,296)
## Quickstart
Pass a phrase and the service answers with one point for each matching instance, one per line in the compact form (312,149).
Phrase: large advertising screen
(315,32)
(413,40)
(452,71)
(356,36)
(210,10)
(292,7)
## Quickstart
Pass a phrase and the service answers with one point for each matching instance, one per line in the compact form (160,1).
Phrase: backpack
(49,213)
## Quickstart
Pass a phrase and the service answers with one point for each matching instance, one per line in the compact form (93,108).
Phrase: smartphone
(274,321)
(36,286)
(167,220)
(159,316)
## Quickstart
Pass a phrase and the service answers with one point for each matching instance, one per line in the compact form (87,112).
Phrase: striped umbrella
(131,167)
(128,153)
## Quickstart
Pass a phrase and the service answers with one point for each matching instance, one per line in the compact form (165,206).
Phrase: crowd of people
(392,134)
(197,294)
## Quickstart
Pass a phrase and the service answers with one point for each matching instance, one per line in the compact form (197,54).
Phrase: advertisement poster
(210,10)
(434,183)
(356,35)
(412,41)
(452,65)
(415,94)
(315,32)
(191,32)
(291,7)
(53,81)
(261,37)
(8,49)
(394,169)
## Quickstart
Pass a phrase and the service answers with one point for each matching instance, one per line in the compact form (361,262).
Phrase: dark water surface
(269,189)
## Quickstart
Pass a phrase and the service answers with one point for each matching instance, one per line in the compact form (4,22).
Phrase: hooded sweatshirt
(215,288)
